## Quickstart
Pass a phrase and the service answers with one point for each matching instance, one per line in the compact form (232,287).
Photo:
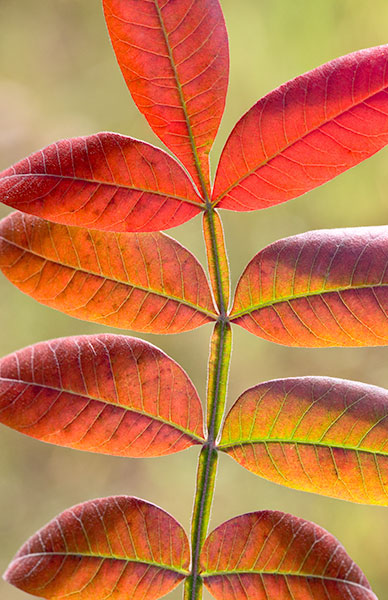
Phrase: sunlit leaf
(316,434)
(117,547)
(274,556)
(175,60)
(140,281)
(306,132)
(321,288)
(105,181)
(102,393)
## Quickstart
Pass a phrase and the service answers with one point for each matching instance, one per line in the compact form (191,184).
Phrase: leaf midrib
(270,303)
(224,447)
(287,146)
(106,278)
(112,184)
(283,574)
(106,403)
(104,557)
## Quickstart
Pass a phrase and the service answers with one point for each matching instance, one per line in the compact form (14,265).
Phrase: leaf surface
(306,132)
(175,60)
(141,281)
(315,434)
(275,556)
(320,288)
(117,547)
(105,181)
(102,393)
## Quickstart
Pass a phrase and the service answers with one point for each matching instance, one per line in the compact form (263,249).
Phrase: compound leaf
(102,393)
(315,434)
(306,132)
(117,547)
(105,181)
(175,60)
(275,556)
(142,281)
(320,288)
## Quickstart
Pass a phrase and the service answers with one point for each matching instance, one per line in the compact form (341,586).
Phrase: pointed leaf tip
(117,546)
(101,393)
(275,556)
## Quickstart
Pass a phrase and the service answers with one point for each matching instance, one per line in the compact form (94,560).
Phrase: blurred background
(59,78)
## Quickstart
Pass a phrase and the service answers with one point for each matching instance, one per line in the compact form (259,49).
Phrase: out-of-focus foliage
(59,78)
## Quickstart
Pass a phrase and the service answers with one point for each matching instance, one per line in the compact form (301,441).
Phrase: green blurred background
(59,78)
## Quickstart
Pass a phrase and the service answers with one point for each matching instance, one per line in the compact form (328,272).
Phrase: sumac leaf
(320,288)
(117,547)
(102,393)
(306,132)
(316,434)
(275,556)
(141,281)
(105,181)
(175,60)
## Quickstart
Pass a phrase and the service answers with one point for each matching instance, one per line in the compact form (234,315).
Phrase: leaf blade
(175,61)
(316,434)
(306,132)
(145,281)
(101,393)
(105,181)
(103,546)
(270,555)
(318,289)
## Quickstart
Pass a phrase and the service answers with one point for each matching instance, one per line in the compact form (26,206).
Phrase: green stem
(218,370)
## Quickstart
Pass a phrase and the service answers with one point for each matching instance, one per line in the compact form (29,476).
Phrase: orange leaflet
(316,434)
(320,288)
(175,60)
(105,181)
(306,132)
(141,281)
(102,393)
(118,546)
(275,556)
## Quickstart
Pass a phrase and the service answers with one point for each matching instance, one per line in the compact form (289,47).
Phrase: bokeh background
(59,78)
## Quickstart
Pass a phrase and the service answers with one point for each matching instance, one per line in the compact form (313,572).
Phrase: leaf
(102,393)
(316,434)
(117,547)
(306,132)
(320,288)
(142,281)
(274,556)
(174,57)
(105,181)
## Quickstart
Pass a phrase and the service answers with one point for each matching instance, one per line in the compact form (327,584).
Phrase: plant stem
(218,370)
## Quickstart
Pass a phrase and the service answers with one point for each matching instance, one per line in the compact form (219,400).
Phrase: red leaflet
(320,288)
(316,434)
(274,556)
(306,132)
(141,281)
(104,181)
(117,547)
(175,60)
(102,393)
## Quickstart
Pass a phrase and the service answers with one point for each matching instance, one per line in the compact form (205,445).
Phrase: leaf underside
(315,434)
(317,289)
(275,556)
(306,132)
(105,181)
(174,57)
(141,281)
(102,393)
(117,547)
